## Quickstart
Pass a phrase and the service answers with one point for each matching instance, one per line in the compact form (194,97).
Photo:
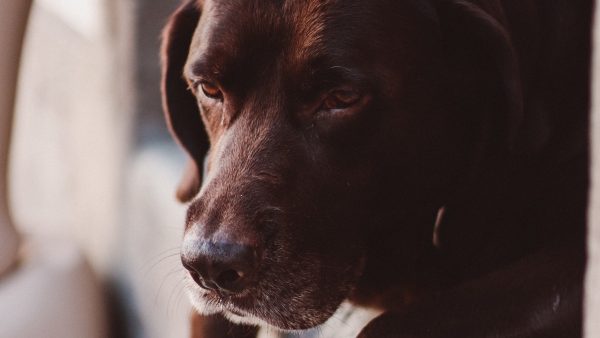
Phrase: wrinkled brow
(204,68)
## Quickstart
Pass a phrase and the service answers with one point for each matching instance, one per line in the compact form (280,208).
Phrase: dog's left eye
(211,90)
(341,99)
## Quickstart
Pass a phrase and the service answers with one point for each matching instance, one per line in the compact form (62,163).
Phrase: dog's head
(329,133)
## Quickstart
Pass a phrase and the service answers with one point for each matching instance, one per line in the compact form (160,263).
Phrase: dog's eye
(341,99)
(211,90)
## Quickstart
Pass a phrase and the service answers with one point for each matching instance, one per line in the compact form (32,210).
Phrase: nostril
(187,266)
(228,278)
(227,267)
(195,276)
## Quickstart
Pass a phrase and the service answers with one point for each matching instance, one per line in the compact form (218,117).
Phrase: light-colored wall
(592,302)
(13,20)
(79,172)
(71,134)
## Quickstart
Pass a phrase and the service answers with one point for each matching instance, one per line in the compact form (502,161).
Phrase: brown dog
(425,157)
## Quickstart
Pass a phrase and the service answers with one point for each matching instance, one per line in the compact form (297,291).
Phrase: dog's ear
(484,65)
(179,104)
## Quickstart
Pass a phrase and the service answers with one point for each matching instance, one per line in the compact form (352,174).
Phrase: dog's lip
(245,305)
(228,298)
(237,304)
(236,312)
(244,308)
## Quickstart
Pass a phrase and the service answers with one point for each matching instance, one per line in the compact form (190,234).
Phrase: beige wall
(13,19)
(71,133)
(77,172)
(592,326)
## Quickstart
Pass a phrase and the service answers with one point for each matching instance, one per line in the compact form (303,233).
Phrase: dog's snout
(228,267)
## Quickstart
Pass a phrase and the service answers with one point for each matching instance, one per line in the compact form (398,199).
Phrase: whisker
(158,256)
(169,274)
(180,297)
(178,285)
(149,270)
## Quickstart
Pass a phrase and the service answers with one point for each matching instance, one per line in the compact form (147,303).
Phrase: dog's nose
(225,267)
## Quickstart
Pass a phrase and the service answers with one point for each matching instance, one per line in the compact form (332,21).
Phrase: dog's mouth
(296,298)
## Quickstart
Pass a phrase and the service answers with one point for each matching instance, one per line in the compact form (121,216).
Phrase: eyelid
(197,80)
(363,99)
(339,92)
(345,90)
(195,83)
(208,87)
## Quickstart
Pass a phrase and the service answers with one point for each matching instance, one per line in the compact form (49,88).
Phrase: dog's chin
(209,303)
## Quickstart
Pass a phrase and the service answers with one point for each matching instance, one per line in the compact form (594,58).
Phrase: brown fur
(474,106)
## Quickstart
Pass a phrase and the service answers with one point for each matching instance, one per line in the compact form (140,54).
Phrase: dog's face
(330,127)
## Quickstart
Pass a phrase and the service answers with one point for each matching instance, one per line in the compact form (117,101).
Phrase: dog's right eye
(211,90)
(341,99)
(342,103)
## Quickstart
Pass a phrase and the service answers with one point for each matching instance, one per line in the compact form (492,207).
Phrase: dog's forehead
(248,39)
(258,29)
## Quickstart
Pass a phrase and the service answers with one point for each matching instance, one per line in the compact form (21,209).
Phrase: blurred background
(92,176)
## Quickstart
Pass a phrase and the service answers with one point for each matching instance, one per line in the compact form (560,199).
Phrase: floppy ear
(485,67)
(179,104)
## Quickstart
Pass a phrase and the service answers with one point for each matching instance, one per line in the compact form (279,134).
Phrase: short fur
(478,108)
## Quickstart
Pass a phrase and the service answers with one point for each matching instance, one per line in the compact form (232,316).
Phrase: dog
(427,158)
